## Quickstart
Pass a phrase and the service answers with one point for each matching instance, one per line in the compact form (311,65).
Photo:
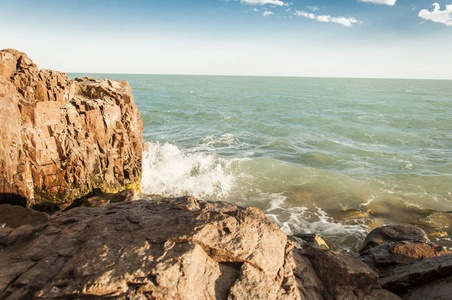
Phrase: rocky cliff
(61,139)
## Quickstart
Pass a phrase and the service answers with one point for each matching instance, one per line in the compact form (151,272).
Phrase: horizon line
(271,76)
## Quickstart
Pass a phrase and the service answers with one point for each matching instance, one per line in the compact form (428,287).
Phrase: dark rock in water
(60,139)
(425,279)
(393,233)
(179,248)
(386,257)
(15,216)
(408,264)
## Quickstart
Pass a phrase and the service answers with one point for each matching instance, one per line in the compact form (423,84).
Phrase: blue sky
(350,38)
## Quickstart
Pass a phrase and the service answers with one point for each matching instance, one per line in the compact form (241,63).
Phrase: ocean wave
(298,198)
(168,171)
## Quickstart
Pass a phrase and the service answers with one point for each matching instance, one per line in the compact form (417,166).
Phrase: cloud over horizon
(438,15)
(386,2)
(267,13)
(347,22)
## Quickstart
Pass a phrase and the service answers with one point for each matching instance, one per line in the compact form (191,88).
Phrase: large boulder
(61,139)
(180,248)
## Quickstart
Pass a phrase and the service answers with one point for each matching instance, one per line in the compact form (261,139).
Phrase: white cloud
(344,21)
(304,14)
(387,2)
(313,8)
(267,13)
(325,18)
(262,2)
(438,15)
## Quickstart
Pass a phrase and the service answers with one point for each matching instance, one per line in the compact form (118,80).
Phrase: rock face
(180,248)
(61,139)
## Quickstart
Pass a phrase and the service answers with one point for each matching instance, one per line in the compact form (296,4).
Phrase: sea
(336,157)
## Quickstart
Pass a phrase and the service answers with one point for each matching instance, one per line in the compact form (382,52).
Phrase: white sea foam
(168,171)
(277,201)
(302,220)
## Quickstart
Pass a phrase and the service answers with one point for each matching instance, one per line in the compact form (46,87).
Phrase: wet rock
(429,277)
(61,139)
(393,233)
(386,257)
(177,248)
(407,263)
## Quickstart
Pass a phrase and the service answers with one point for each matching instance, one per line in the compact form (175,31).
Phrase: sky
(306,38)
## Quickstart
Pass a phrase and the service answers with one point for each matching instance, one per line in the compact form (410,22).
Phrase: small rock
(307,241)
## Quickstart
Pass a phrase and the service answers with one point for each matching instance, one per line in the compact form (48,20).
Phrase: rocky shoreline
(76,146)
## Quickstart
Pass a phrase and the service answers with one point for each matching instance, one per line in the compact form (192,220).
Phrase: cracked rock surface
(178,248)
(61,139)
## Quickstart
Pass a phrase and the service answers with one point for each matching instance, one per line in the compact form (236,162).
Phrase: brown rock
(393,250)
(408,264)
(61,139)
(342,277)
(439,290)
(411,278)
(180,248)
(15,216)
(170,249)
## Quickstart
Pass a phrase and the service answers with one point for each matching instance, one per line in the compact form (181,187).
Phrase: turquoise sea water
(336,157)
